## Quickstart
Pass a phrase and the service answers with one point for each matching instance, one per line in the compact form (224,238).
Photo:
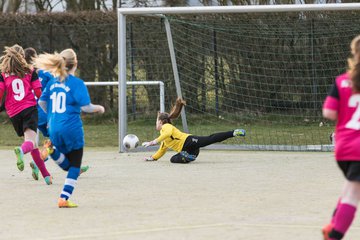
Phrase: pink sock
(27,146)
(337,207)
(344,216)
(39,162)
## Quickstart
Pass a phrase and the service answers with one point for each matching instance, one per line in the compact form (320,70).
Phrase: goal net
(267,72)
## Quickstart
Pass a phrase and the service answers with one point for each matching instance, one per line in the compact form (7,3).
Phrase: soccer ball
(130,141)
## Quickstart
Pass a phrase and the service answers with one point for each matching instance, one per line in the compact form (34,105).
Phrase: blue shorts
(67,140)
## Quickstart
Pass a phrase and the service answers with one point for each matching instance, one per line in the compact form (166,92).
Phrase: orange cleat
(46,150)
(62,203)
(326,231)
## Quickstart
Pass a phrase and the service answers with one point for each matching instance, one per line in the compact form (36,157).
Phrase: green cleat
(48,180)
(239,133)
(84,169)
(35,171)
(20,158)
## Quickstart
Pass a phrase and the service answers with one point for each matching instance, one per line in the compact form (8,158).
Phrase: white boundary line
(186,227)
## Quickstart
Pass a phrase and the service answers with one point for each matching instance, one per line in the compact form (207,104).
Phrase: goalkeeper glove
(149,159)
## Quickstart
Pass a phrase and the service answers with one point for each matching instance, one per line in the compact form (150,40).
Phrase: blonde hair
(354,64)
(70,58)
(13,61)
(174,113)
(58,64)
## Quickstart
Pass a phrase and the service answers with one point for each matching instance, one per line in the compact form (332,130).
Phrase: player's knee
(177,158)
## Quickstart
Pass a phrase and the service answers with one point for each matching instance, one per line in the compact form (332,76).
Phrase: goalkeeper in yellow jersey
(186,145)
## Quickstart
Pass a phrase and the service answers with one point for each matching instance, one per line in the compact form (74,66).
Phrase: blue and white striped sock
(70,182)
(60,159)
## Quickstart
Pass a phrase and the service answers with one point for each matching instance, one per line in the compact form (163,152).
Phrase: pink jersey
(347,132)
(19,94)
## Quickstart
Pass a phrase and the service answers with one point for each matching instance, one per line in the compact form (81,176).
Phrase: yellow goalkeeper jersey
(170,137)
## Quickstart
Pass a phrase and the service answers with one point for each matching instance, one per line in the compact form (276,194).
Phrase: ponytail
(54,63)
(354,64)
(355,77)
(174,113)
(176,110)
(13,61)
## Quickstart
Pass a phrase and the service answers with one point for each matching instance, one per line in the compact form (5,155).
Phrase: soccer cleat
(48,180)
(239,133)
(188,156)
(84,169)
(62,203)
(20,158)
(46,150)
(35,171)
(326,231)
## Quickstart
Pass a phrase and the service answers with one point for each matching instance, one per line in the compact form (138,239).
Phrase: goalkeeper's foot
(239,133)
(35,171)
(188,156)
(84,169)
(20,158)
(63,203)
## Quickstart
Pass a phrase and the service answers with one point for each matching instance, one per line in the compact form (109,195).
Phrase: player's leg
(202,141)
(30,136)
(75,158)
(34,168)
(328,227)
(30,123)
(178,158)
(59,158)
(345,212)
(185,156)
(26,146)
(350,198)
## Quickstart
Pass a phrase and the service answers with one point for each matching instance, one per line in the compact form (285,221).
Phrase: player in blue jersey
(64,98)
(44,77)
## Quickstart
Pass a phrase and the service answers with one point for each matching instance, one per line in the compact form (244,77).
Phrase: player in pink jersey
(343,106)
(20,84)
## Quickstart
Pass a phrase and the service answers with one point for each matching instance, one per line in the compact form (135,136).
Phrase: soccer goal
(266,69)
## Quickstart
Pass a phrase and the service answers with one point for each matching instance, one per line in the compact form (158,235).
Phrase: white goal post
(122,39)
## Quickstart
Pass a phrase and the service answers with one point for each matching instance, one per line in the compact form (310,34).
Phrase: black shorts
(350,169)
(28,118)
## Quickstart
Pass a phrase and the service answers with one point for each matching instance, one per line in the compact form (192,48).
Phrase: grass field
(104,133)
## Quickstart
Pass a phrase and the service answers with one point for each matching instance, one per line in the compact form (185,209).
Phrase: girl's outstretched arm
(148,144)
(160,152)
(91,108)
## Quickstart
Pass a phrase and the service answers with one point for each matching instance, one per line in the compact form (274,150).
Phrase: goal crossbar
(240,9)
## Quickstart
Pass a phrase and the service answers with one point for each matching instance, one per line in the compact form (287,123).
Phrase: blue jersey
(64,102)
(44,78)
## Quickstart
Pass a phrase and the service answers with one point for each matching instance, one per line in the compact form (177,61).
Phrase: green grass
(105,133)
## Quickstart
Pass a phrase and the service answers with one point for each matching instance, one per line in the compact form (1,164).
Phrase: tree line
(312,48)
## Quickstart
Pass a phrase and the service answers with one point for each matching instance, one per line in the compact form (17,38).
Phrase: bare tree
(10,6)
